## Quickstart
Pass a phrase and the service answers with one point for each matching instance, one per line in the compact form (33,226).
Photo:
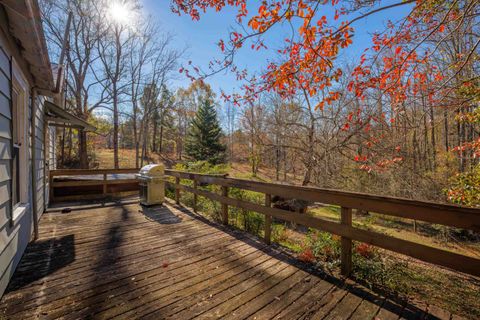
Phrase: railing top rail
(445,214)
(80,172)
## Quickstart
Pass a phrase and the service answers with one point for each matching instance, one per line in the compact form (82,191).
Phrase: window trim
(19,84)
(19,211)
(17,148)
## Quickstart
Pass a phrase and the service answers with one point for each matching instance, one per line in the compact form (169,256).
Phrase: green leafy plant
(465,188)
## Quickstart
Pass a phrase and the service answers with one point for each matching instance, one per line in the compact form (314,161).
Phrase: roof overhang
(59,117)
(25,25)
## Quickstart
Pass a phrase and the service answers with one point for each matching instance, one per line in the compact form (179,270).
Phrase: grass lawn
(126,158)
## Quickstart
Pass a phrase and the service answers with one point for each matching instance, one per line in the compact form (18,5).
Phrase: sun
(119,12)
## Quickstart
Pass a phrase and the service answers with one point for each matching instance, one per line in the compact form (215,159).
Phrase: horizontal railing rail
(84,181)
(88,172)
(443,214)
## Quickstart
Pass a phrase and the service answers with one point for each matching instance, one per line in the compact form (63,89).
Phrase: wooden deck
(168,263)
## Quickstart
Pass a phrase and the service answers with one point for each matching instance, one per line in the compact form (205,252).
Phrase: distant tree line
(415,149)
(114,65)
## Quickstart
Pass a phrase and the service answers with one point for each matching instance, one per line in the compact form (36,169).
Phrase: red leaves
(474,146)
(254,24)
(307,256)
(262,10)
(322,21)
(365,250)
(236,36)
(308,58)
(221,44)
(320,105)
(360,158)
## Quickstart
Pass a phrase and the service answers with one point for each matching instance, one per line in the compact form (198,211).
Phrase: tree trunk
(70,144)
(445,123)
(310,160)
(434,142)
(154,138)
(115,127)
(160,142)
(277,158)
(145,141)
(135,137)
(62,148)
(82,149)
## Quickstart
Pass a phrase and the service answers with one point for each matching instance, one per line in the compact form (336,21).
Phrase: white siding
(5,145)
(52,159)
(15,237)
(11,242)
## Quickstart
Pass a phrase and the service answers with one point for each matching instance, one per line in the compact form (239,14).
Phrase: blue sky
(200,38)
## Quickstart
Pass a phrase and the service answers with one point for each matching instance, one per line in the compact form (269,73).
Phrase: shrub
(202,167)
(306,256)
(325,245)
(465,188)
(279,233)
(365,250)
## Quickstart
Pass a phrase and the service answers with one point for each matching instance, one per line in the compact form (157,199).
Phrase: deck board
(124,262)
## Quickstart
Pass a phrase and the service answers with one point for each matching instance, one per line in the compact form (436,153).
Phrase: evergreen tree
(203,139)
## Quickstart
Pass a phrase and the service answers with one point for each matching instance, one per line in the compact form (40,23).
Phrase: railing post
(177,190)
(346,254)
(104,184)
(268,219)
(195,196)
(225,206)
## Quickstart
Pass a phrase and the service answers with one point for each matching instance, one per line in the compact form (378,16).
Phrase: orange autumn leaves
(306,63)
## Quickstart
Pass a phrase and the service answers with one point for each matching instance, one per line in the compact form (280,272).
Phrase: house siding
(40,155)
(15,237)
(5,143)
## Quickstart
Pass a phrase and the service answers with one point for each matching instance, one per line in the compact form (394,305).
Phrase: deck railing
(91,183)
(447,215)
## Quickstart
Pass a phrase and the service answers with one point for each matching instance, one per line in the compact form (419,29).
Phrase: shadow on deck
(118,260)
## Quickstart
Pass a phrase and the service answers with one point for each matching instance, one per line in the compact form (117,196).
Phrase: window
(17,146)
(19,136)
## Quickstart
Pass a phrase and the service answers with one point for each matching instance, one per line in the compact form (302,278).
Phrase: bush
(249,221)
(307,256)
(465,188)
(365,250)
(279,233)
(325,246)
(204,167)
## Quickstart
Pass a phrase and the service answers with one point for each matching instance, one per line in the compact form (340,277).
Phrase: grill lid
(153,170)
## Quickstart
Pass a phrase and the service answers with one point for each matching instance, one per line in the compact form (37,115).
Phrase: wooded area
(402,122)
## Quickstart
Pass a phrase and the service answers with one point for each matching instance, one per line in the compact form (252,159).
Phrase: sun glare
(120,13)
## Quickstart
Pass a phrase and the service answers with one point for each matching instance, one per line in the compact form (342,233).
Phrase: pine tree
(203,139)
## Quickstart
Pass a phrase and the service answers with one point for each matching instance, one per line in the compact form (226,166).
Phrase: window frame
(17,150)
(20,127)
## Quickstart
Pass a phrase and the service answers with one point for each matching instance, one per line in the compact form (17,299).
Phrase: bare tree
(84,35)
